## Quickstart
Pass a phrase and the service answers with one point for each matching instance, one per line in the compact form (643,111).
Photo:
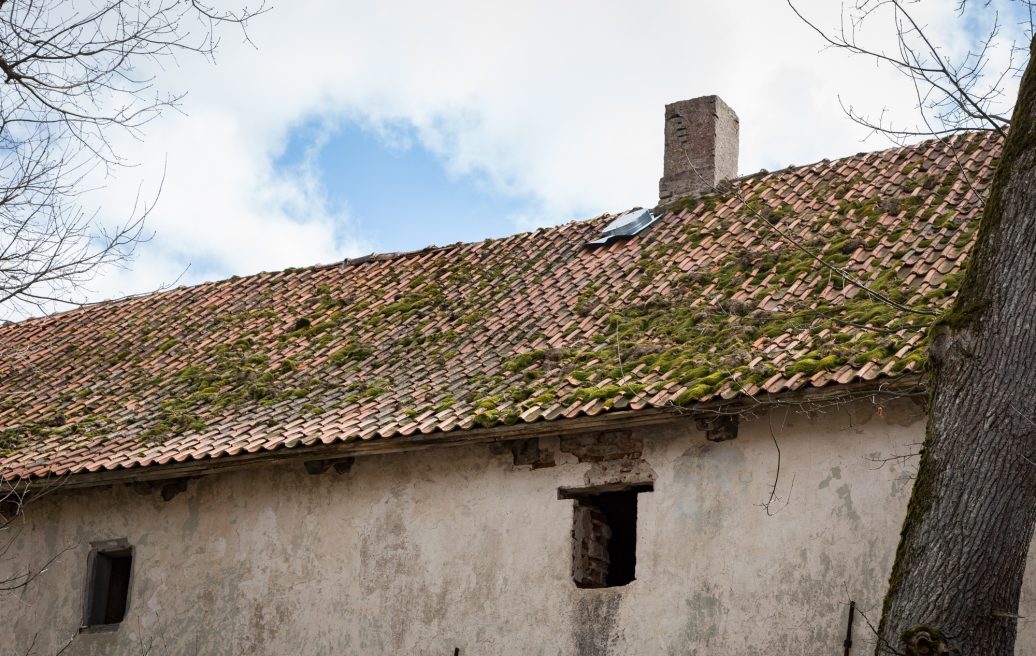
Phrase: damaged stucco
(460,548)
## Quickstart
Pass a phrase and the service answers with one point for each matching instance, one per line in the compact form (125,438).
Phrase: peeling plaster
(423,552)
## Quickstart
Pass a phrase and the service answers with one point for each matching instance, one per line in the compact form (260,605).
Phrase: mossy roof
(709,303)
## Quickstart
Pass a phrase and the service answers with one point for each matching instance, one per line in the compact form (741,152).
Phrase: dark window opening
(604,537)
(108,592)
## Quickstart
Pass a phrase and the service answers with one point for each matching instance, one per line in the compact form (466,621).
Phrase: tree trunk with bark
(958,571)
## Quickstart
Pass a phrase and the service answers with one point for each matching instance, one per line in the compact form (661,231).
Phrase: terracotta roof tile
(707,303)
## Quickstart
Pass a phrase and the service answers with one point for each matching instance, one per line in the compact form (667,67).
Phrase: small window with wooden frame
(604,534)
(109,576)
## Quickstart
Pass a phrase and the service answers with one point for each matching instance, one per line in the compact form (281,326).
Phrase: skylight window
(625,226)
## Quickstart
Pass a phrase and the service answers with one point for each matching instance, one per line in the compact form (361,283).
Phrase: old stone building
(678,431)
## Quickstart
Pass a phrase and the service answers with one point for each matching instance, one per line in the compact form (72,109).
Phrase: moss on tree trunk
(969,524)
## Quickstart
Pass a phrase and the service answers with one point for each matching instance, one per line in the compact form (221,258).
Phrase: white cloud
(559,102)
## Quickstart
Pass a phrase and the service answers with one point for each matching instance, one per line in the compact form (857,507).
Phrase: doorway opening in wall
(107,593)
(604,534)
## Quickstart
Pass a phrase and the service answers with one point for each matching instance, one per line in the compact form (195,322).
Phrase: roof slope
(707,303)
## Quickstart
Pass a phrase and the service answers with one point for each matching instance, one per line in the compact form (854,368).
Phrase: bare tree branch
(72,76)
(962,92)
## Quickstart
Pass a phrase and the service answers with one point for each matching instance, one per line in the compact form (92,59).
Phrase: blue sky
(395,125)
(399,194)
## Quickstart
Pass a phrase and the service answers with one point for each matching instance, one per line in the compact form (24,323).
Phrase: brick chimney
(700,146)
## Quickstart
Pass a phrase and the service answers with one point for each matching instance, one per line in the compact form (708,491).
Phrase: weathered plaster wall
(425,552)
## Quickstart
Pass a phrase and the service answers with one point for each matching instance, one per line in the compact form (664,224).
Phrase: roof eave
(905,385)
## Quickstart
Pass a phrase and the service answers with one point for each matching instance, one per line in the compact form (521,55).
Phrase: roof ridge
(400,255)
(682,201)
(353,261)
